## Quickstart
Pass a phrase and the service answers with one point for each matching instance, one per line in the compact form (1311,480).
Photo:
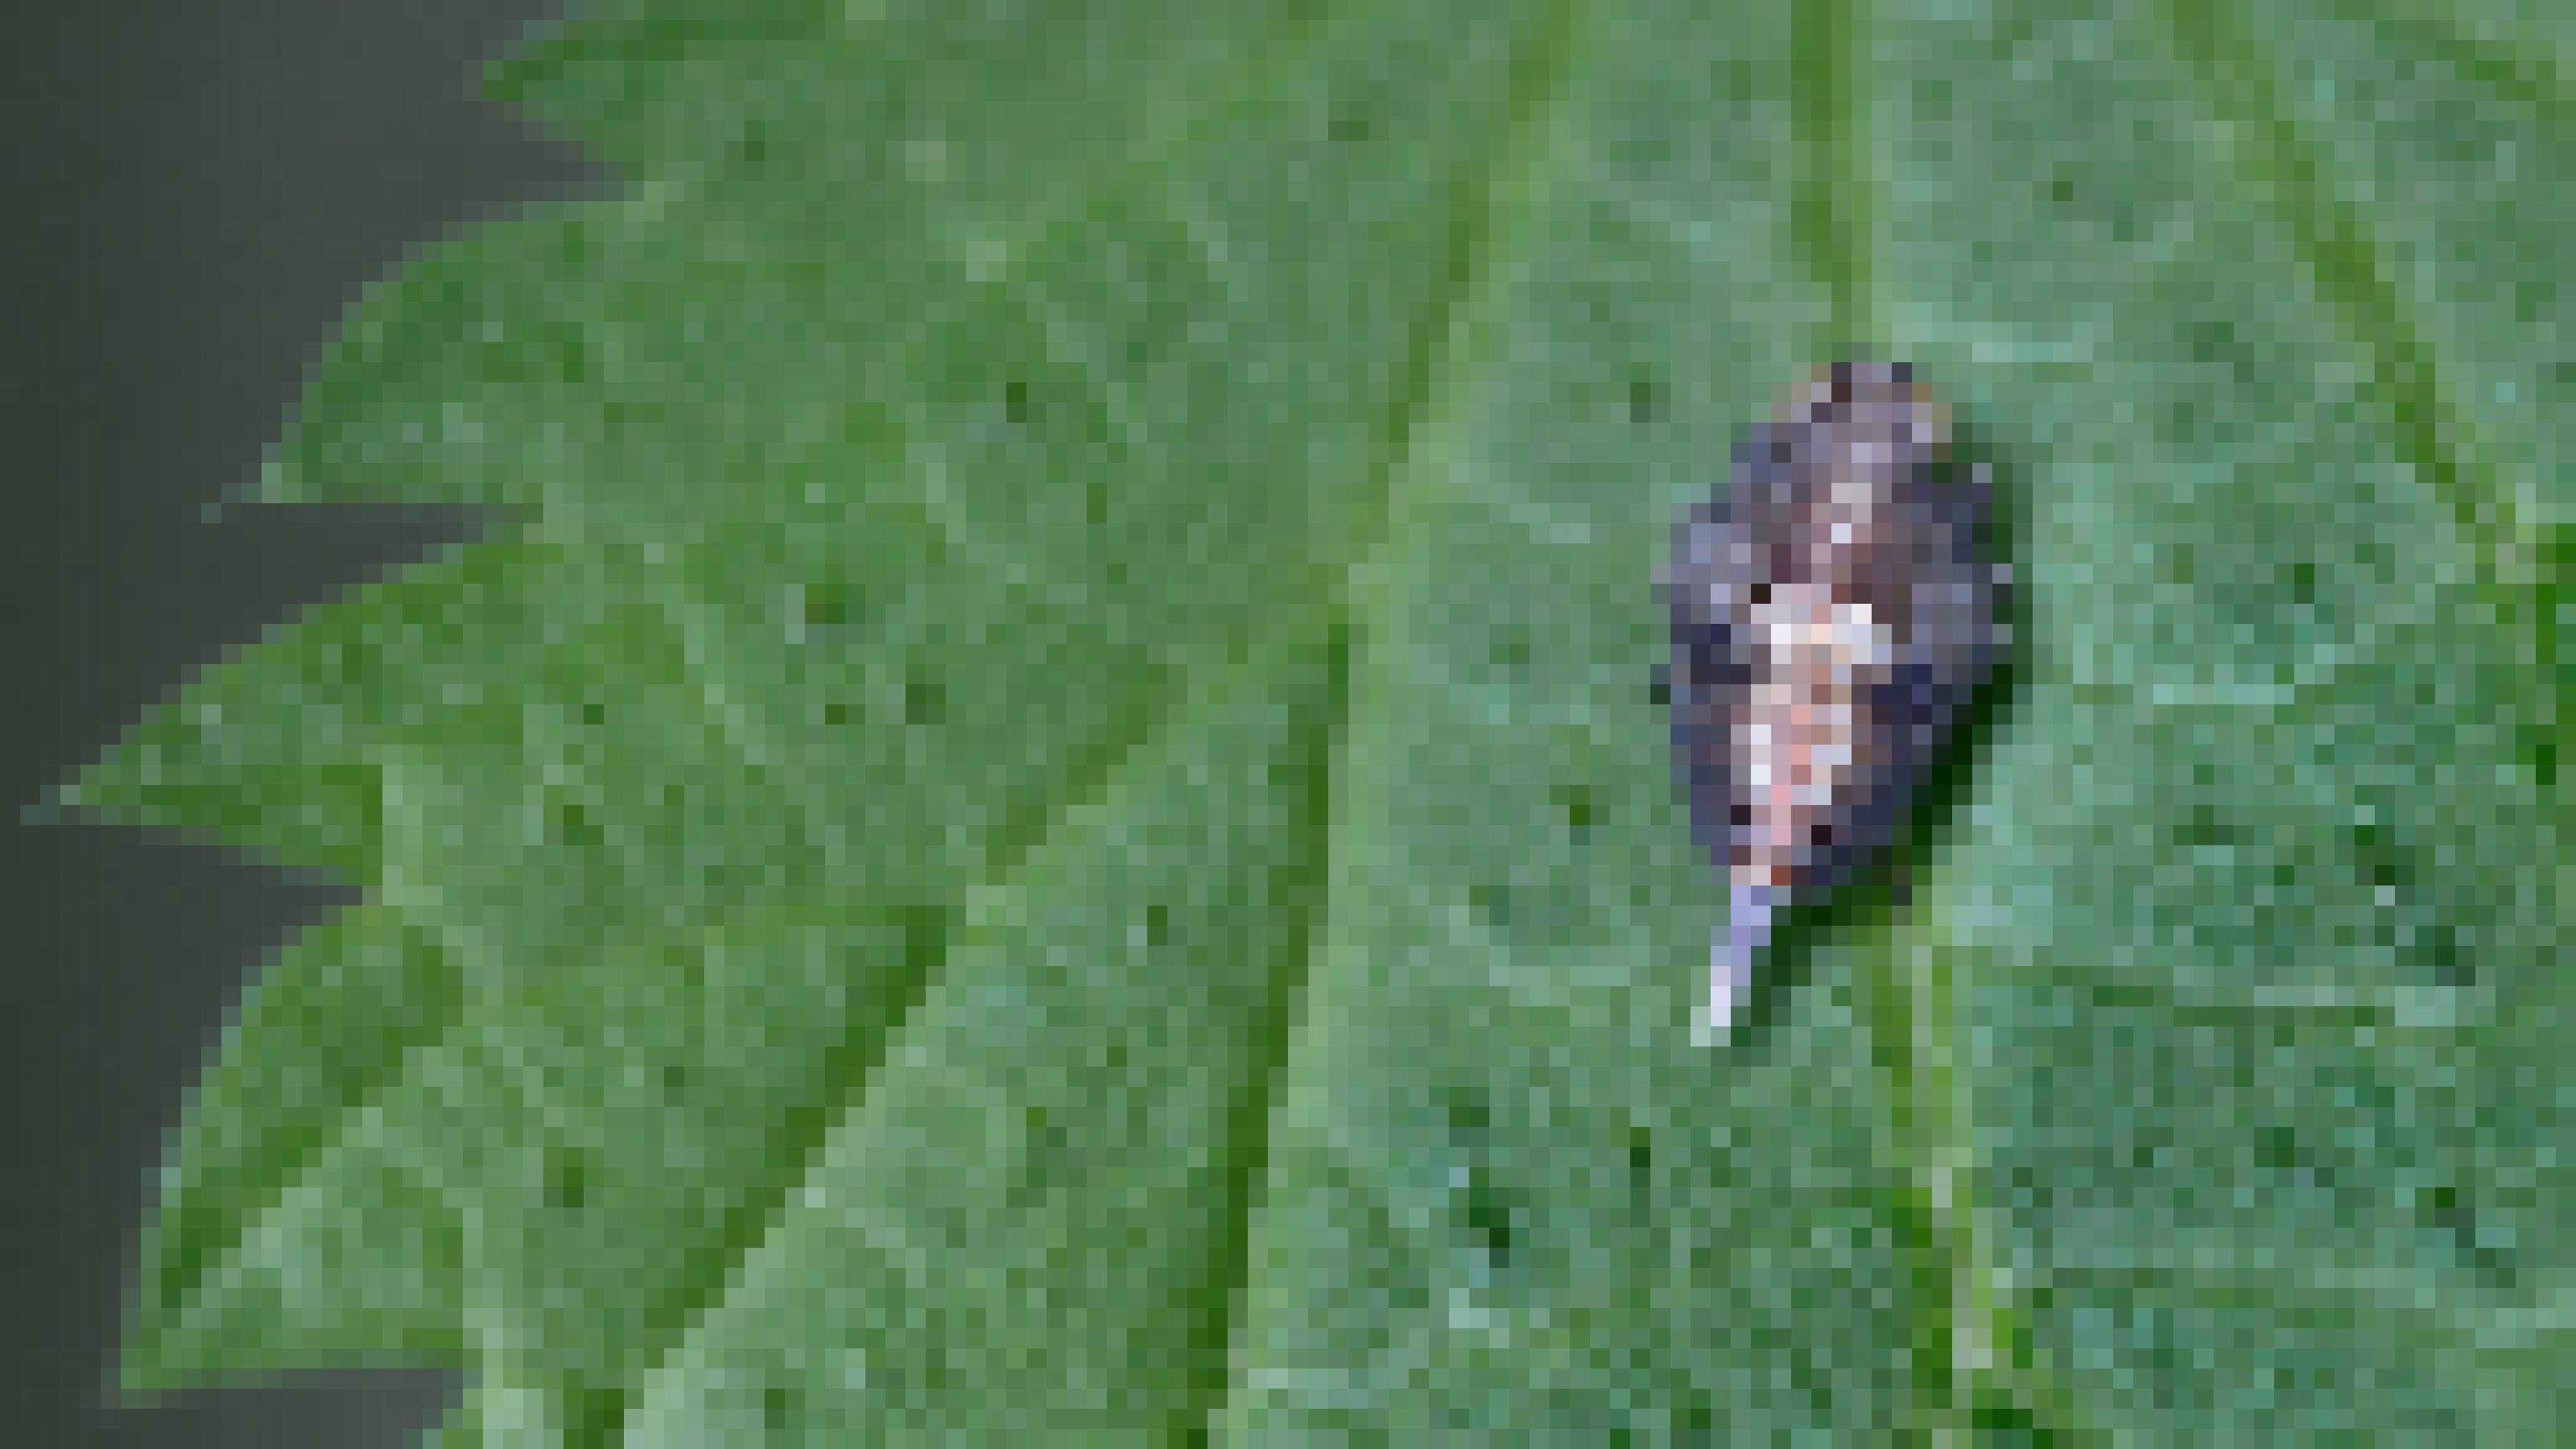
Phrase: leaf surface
(1044,818)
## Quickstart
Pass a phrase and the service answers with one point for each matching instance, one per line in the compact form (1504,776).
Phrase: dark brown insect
(1832,613)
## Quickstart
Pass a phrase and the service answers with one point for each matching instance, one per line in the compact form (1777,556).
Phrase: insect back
(1832,614)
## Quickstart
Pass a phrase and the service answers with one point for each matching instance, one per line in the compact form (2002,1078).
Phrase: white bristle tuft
(1731,953)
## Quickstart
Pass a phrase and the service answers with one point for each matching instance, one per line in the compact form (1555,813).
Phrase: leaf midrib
(1967,1333)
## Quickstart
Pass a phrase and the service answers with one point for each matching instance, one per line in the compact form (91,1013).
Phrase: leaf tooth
(283,747)
(322,1033)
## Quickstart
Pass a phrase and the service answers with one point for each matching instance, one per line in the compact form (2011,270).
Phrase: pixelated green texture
(1042,823)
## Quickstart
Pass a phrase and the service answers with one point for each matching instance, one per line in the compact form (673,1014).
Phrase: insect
(1832,614)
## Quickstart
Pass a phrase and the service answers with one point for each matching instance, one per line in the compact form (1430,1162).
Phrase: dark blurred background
(191,195)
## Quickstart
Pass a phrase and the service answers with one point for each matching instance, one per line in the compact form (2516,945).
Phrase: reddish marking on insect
(1831,615)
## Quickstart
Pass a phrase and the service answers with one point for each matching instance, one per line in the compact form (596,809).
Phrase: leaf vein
(2334,242)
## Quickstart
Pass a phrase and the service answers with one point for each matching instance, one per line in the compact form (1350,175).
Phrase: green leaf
(1042,820)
